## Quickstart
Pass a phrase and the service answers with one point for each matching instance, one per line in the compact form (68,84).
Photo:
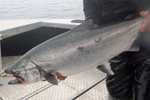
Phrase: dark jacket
(107,11)
(132,70)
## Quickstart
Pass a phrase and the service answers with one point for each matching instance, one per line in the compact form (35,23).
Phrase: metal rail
(36,92)
(86,89)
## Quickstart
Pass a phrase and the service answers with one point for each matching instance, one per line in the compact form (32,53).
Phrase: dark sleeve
(142,5)
(93,10)
(89,9)
(106,11)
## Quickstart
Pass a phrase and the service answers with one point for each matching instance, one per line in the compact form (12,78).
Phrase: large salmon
(77,50)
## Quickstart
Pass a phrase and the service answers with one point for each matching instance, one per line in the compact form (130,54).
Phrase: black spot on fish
(80,49)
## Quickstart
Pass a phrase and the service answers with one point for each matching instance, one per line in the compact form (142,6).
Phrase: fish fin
(48,76)
(86,25)
(105,68)
(135,45)
(51,79)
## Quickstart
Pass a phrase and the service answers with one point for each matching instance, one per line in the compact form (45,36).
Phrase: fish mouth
(19,80)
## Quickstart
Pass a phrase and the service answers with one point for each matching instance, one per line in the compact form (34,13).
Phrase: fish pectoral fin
(105,68)
(135,45)
(51,79)
(48,76)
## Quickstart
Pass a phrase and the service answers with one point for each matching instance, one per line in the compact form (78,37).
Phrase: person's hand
(146,24)
(59,76)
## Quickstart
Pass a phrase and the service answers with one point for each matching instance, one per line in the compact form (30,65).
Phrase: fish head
(26,72)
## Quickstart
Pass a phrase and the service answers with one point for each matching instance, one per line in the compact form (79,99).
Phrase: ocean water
(41,9)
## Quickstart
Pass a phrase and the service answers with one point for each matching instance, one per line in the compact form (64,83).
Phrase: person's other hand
(146,24)
(59,76)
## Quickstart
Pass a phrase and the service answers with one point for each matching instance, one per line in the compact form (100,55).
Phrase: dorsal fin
(85,25)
